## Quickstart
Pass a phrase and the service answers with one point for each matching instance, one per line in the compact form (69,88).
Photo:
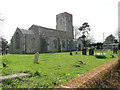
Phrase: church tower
(64,23)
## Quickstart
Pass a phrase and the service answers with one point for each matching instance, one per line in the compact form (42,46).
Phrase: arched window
(55,43)
(17,39)
(63,44)
(33,43)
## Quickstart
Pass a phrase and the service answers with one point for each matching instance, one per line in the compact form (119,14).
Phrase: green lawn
(52,69)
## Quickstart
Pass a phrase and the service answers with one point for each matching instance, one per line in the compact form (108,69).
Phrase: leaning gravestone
(36,57)
(91,52)
(84,52)
(115,50)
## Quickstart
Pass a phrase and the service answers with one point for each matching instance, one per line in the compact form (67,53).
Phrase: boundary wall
(94,77)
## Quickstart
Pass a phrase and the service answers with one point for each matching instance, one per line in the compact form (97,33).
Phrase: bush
(100,55)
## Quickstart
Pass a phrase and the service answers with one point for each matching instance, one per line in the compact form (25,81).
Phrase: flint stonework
(42,39)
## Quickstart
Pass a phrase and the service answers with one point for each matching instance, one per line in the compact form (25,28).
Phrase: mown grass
(52,69)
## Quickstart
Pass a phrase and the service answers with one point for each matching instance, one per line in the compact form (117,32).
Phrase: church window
(63,44)
(17,39)
(55,43)
(33,43)
(60,22)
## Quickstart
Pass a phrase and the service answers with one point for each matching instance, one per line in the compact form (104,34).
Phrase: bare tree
(90,38)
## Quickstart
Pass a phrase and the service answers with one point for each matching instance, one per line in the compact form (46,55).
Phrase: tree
(4,45)
(85,28)
(90,39)
(109,39)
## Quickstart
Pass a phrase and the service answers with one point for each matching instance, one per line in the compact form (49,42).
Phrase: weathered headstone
(36,57)
(76,52)
(91,52)
(70,52)
(115,50)
(84,52)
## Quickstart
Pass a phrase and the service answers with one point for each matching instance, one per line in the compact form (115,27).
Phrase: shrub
(100,55)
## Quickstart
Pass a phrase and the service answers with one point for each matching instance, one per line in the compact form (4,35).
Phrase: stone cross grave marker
(36,57)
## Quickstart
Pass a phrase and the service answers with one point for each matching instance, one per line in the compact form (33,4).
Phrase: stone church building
(42,39)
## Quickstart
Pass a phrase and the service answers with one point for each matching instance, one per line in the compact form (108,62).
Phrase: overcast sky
(102,15)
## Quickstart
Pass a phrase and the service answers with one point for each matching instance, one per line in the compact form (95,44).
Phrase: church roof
(48,28)
(26,31)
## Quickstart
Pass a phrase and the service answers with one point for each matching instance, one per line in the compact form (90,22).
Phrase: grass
(52,70)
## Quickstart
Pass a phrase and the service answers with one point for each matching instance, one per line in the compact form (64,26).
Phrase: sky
(101,15)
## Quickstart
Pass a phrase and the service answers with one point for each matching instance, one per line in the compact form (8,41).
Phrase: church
(41,39)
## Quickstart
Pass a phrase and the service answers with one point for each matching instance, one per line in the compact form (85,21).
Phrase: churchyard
(51,70)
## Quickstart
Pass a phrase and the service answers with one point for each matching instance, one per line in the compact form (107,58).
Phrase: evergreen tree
(109,39)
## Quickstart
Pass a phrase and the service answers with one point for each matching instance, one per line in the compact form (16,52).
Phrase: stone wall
(94,77)
(32,44)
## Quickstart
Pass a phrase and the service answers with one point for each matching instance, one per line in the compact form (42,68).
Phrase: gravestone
(76,52)
(91,52)
(115,50)
(70,52)
(36,57)
(84,52)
